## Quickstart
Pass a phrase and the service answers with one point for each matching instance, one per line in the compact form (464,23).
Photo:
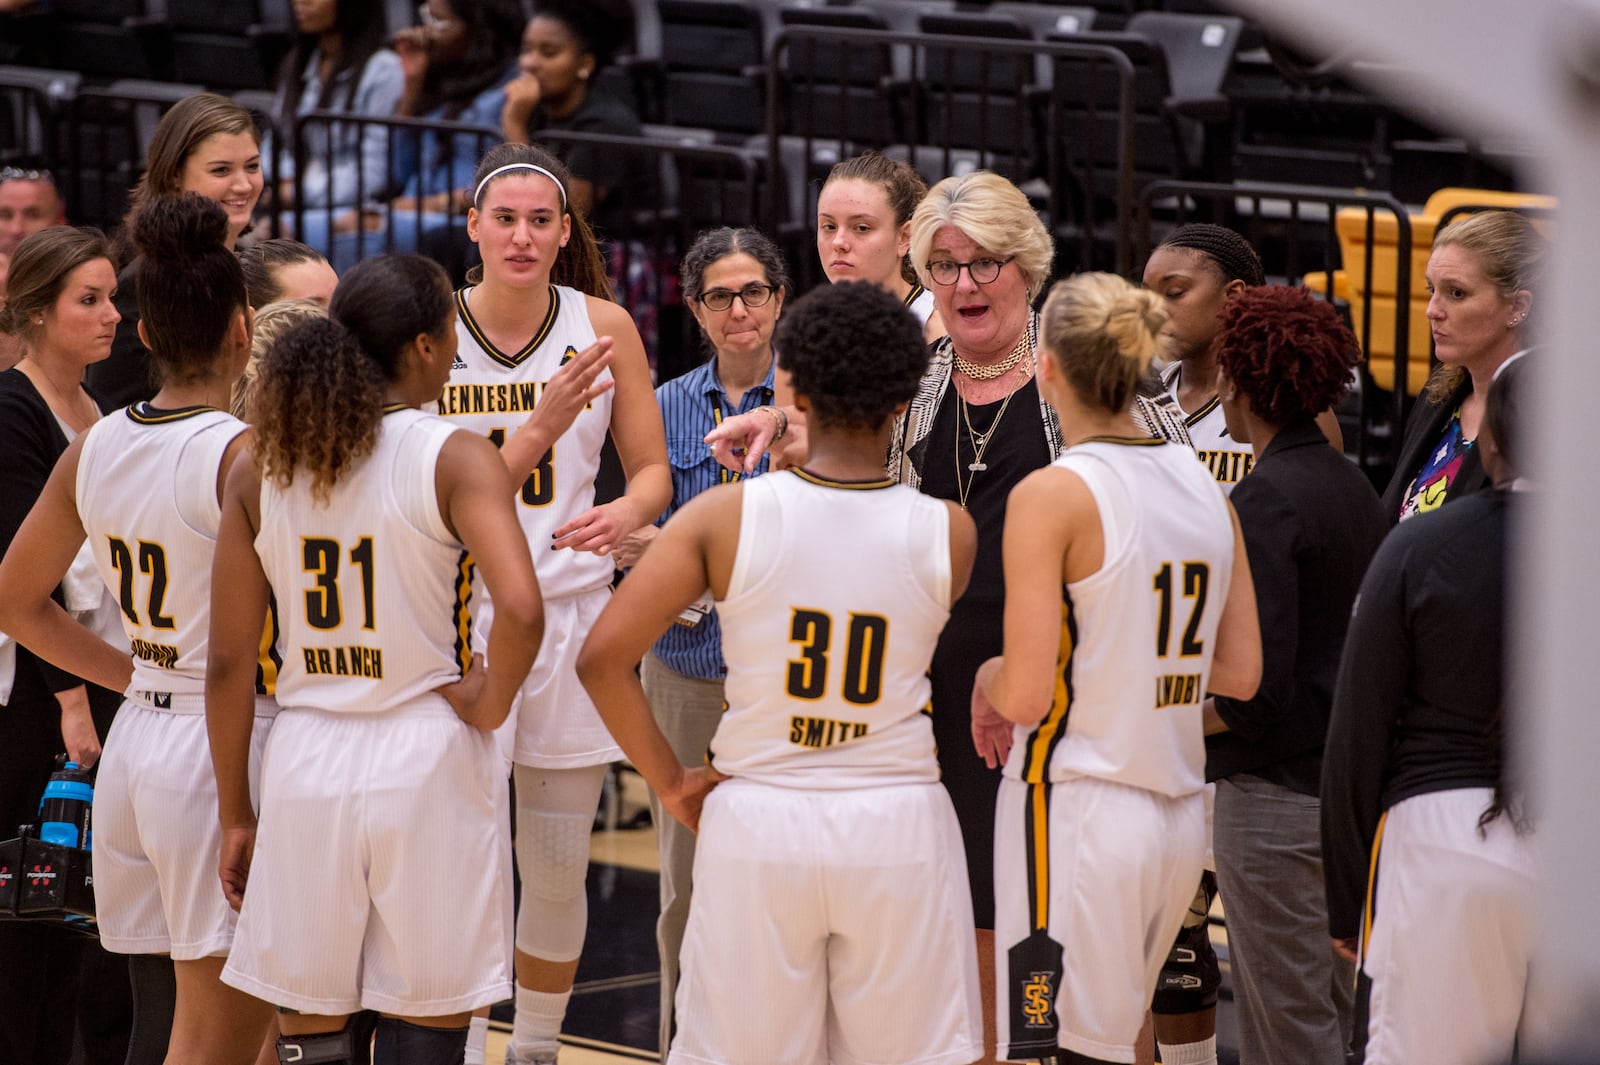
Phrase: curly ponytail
(319,390)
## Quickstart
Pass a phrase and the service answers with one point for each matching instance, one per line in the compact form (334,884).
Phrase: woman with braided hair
(1311,522)
(1197,270)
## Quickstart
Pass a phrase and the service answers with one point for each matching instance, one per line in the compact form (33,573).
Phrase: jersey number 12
(1196,579)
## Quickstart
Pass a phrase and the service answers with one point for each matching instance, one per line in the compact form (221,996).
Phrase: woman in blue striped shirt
(734,281)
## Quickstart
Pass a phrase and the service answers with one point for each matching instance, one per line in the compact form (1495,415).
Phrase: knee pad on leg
(402,1043)
(322,1048)
(1191,975)
(553,861)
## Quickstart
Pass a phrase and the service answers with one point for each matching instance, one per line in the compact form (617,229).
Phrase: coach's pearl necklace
(980,372)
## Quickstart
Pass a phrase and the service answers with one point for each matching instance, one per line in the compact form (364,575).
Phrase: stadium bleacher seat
(1354,281)
(835,88)
(978,99)
(227,44)
(33,101)
(714,73)
(104,38)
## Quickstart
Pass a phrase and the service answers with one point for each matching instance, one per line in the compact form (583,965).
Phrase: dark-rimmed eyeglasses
(752,296)
(12,173)
(982,271)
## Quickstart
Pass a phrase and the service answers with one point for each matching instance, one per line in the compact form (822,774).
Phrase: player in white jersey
(1128,599)
(144,486)
(827,806)
(547,365)
(364,518)
(1196,271)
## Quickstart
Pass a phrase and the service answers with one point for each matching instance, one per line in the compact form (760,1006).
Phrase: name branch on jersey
(352,661)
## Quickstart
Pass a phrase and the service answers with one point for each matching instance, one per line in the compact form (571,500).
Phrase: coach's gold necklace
(980,372)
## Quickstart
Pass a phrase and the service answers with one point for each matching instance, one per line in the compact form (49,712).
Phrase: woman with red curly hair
(1311,523)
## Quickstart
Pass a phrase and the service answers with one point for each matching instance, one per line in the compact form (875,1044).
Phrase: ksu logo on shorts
(1038,998)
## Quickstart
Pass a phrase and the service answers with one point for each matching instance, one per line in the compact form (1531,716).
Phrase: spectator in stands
(864,230)
(1418,767)
(565,46)
(734,281)
(1481,279)
(284,269)
(28,203)
(206,144)
(339,62)
(1311,522)
(456,65)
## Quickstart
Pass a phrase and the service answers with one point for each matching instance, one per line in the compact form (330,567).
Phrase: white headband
(491,175)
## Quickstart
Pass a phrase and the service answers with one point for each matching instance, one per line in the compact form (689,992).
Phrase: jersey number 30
(863,656)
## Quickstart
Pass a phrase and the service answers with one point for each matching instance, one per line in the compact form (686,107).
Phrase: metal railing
(668,190)
(1293,228)
(951,103)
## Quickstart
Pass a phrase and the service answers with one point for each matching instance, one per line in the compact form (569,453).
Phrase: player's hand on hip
(686,801)
(462,695)
(1347,948)
(238,848)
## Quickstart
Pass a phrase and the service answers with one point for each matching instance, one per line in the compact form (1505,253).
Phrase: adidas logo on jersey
(459,363)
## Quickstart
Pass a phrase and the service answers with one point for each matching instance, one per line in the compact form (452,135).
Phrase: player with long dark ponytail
(143,485)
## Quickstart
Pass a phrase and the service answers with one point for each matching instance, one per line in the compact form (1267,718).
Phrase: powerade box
(10,861)
(54,881)
(46,873)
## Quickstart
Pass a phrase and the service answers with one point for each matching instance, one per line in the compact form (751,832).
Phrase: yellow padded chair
(1353,282)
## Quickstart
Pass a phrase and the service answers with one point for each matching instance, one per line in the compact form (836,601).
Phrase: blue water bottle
(64,810)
